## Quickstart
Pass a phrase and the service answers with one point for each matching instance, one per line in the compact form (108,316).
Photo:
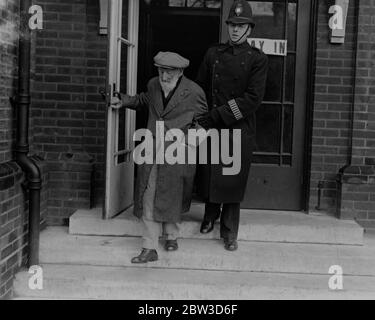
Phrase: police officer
(233,76)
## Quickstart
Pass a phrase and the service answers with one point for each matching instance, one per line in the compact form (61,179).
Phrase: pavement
(98,267)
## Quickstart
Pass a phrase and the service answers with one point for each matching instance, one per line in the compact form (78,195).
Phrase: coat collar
(235,49)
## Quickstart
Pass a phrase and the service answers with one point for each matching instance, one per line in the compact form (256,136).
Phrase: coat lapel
(181,93)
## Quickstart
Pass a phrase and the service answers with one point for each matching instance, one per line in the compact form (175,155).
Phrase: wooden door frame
(311,69)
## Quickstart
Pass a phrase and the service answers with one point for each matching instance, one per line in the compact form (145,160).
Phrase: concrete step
(58,247)
(265,226)
(96,282)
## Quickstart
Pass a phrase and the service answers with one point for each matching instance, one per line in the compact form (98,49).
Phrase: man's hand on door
(116,102)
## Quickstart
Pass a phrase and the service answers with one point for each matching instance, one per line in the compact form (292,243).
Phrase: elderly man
(233,75)
(164,191)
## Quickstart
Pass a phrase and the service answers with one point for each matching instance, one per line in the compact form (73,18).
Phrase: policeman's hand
(210,120)
(206,121)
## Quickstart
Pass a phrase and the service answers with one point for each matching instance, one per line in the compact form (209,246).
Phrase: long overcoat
(174,185)
(234,80)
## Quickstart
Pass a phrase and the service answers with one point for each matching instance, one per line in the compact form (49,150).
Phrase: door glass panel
(290,77)
(288,129)
(124,68)
(121,135)
(266,159)
(123,76)
(292,26)
(125,27)
(276,20)
(274,79)
(269,18)
(269,128)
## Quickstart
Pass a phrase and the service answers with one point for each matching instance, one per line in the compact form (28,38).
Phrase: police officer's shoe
(171,245)
(147,255)
(207,226)
(230,245)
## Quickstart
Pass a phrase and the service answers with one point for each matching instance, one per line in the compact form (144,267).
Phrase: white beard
(167,87)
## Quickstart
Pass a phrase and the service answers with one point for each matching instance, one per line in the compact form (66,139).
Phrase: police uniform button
(216,76)
(215,105)
(217,61)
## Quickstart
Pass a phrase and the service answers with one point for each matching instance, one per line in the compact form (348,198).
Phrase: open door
(121,76)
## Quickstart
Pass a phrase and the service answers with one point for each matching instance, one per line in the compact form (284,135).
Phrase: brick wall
(357,182)
(344,81)
(13,221)
(12,214)
(333,96)
(68,113)
(9,21)
(13,197)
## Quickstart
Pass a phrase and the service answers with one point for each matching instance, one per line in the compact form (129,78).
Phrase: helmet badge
(238,10)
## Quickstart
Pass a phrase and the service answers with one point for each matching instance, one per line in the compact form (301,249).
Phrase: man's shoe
(171,245)
(230,245)
(207,226)
(146,255)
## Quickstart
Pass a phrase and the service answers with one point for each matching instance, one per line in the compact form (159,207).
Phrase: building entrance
(186,27)
(190,27)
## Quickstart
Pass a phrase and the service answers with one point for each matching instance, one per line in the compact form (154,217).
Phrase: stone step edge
(130,226)
(22,291)
(209,255)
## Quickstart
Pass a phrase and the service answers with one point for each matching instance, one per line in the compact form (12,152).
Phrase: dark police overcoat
(234,80)
(174,184)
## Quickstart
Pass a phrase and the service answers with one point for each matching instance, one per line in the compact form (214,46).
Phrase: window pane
(268,120)
(274,79)
(122,139)
(264,159)
(124,68)
(125,10)
(290,78)
(269,19)
(288,129)
(292,26)
(121,134)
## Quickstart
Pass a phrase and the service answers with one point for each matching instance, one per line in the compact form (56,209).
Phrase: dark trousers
(229,218)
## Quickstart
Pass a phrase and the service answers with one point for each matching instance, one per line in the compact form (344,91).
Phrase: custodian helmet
(241,12)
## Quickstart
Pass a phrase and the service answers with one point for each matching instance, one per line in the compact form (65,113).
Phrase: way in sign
(270,46)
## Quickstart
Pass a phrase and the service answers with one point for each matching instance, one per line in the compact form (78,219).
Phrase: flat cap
(170,60)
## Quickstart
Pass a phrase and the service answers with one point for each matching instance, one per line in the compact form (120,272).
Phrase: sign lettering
(270,46)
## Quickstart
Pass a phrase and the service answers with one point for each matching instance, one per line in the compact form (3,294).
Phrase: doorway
(188,28)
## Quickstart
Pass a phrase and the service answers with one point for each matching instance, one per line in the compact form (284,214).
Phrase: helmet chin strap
(236,42)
